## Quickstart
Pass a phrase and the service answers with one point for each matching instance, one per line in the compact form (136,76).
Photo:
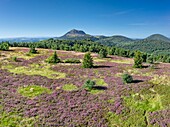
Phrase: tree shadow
(109,57)
(12,50)
(102,66)
(137,81)
(100,87)
(145,66)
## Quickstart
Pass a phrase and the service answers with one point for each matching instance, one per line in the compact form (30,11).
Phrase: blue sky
(37,18)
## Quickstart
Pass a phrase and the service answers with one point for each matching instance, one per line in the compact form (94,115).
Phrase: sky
(53,18)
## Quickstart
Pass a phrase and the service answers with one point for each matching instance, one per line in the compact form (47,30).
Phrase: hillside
(152,44)
(158,37)
(115,40)
(42,94)
(156,43)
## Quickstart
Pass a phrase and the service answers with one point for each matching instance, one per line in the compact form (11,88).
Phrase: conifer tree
(87,61)
(53,59)
(138,60)
(103,53)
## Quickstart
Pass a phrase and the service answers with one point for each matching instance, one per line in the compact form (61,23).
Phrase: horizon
(27,37)
(133,19)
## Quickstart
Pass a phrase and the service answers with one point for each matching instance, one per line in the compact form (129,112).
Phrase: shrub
(89,84)
(150,59)
(28,54)
(87,61)
(53,59)
(4,46)
(32,50)
(14,59)
(127,78)
(138,60)
(71,60)
(103,53)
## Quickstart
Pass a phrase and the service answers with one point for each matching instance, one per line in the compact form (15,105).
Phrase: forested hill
(149,46)
(155,44)
(115,40)
(158,37)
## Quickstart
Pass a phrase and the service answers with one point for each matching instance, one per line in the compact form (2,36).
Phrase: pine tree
(138,60)
(87,61)
(103,53)
(150,59)
(4,46)
(53,59)
(32,50)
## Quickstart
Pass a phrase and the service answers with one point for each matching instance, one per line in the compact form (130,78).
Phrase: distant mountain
(24,39)
(81,35)
(115,40)
(101,37)
(155,43)
(158,37)
(77,35)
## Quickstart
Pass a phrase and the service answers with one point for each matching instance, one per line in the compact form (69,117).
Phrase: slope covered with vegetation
(37,93)
(149,46)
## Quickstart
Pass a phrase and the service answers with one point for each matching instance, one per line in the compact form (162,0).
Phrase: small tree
(32,50)
(103,53)
(89,84)
(127,78)
(4,46)
(53,59)
(138,60)
(87,61)
(144,56)
(150,59)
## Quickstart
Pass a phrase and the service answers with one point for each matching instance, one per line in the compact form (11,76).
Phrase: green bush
(14,59)
(33,50)
(103,53)
(53,59)
(138,60)
(71,60)
(127,78)
(87,61)
(4,46)
(89,84)
(150,59)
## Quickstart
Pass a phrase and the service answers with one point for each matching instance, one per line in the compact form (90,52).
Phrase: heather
(36,93)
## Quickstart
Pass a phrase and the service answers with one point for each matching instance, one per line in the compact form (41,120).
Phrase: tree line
(87,46)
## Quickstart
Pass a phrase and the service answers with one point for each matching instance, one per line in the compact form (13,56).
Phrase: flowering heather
(63,101)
